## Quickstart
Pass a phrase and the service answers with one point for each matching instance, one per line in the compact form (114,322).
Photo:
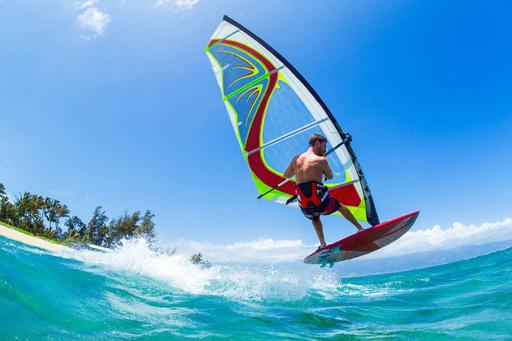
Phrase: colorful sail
(274,111)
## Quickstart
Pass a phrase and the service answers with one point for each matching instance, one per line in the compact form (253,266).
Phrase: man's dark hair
(316,138)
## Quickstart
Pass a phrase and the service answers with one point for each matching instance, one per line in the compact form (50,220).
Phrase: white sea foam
(238,281)
(136,256)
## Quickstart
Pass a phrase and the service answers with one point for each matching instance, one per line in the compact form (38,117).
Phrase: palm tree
(3,194)
(46,210)
(76,228)
(51,207)
(39,205)
(23,206)
(4,202)
(62,211)
(33,214)
(22,203)
(147,227)
(8,212)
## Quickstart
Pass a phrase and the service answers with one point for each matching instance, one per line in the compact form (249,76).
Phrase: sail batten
(221,40)
(274,111)
(288,135)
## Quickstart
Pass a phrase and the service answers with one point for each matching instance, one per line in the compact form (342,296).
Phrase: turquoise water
(137,293)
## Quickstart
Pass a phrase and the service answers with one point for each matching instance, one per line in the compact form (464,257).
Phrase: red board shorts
(314,199)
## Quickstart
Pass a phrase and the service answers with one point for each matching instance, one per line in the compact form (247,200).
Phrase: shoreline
(27,239)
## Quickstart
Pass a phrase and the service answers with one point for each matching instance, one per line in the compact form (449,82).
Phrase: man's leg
(347,214)
(317,224)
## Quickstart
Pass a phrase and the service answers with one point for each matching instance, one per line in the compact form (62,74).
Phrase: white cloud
(437,238)
(258,251)
(86,3)
(94,20)
(186,4)
(63,194)
(432,239)
(178,5)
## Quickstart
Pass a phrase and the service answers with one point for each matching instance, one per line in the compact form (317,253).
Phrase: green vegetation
(197,258)
(42,217)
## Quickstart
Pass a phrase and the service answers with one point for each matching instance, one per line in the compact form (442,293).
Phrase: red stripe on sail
(347,195)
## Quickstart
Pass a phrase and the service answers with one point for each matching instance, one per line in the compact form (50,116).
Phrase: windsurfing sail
(274,111)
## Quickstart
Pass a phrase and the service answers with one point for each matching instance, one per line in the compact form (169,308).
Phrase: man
(314,200)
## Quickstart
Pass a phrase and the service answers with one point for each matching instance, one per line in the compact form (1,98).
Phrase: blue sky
(114,103)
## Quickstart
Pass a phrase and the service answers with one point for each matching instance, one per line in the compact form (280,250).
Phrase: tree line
(44,216)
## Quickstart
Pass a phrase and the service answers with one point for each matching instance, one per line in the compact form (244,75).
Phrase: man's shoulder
(310,156)
(301,155)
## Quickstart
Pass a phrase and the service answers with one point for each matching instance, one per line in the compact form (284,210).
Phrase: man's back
(310,167)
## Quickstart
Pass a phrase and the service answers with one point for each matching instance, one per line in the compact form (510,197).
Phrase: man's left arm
(327,169)
(290,171)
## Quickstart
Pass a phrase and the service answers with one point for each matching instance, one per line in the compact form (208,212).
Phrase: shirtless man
(314,200)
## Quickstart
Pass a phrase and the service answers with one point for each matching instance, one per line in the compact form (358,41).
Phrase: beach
(30,240)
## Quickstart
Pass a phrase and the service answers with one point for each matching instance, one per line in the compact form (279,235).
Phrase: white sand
(29,240)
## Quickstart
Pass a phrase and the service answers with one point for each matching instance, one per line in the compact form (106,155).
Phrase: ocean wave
(238,281)
(136,291)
